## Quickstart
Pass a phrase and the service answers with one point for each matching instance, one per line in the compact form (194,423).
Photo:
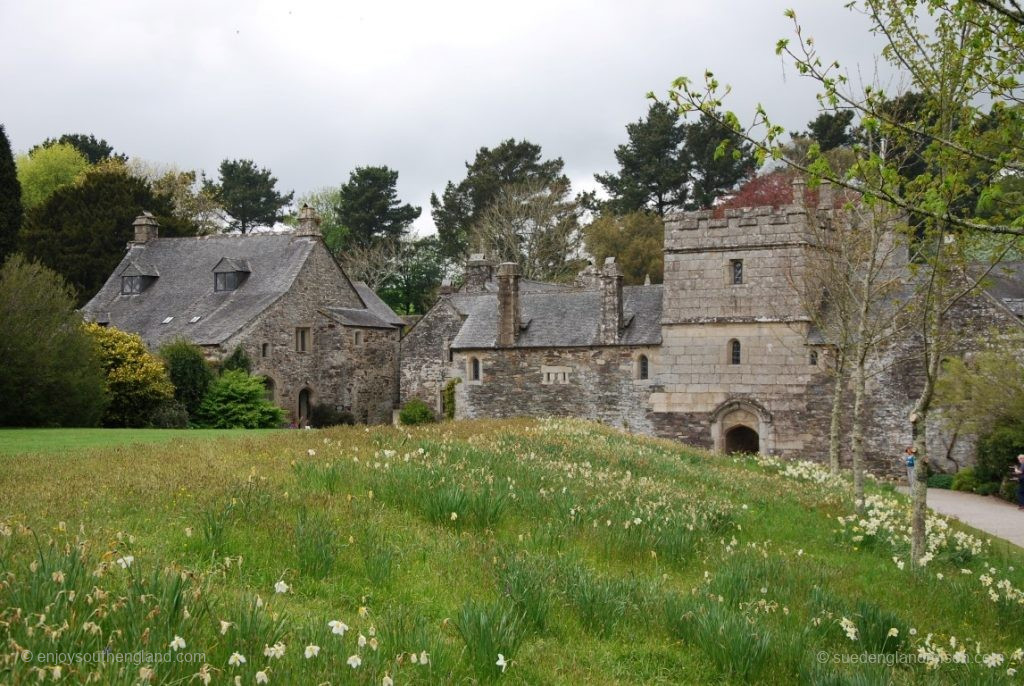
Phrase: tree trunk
(834,426)
(919,494)
(857,431)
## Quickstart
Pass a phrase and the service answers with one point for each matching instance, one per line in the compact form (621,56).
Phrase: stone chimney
(479,271)
(589,278)
(146,228)
(611,302)
(826,199)
(509,315)
(799,186)
(309,223)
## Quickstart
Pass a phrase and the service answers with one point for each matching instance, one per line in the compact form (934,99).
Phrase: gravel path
(987,513)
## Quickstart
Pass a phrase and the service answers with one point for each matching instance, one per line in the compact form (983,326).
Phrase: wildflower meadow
(519,552)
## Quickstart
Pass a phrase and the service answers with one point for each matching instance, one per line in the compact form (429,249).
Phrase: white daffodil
(454,516)
(236,659)
(281,587)
(312,651)
(177,644)
(224,626)
(361,641)
(262,677)
(354,661)
(424,660)
(338,627)
(126,561)
(387,681)
(363,612)
(893,633)
(501,662)
(275,651)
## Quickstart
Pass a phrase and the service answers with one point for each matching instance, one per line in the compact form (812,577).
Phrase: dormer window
(130,285)
(229,274)
(135,278)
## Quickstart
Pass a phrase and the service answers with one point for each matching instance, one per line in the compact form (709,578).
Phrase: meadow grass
(54,441)
(577,553)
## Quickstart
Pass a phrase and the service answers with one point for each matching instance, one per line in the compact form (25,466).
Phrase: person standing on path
(1018,470)
(909,461)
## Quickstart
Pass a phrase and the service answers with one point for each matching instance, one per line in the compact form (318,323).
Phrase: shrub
(137,382)
(987,488)
(448,398)
(327,415)
(998,451)
(189,372)
(172,415)
(416,412)
(237,361)
(51,368)
(964,480)
(238,401)
(1008,490)
(940,481)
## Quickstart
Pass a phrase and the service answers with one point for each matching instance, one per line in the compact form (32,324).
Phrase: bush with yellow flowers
(137,381)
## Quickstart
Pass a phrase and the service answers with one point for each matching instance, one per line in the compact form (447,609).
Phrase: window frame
(303,339)
(223,284)
(643,368)
(735,352)
(736,272)
(813,358)
(476,371)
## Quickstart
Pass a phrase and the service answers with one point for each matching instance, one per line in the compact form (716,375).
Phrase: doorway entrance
(742,439)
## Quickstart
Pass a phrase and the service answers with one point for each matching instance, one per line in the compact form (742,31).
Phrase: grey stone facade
(731,358)
(315,335)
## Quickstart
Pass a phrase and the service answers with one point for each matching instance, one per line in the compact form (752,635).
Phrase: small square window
(225,281)
(130,285)
(302,339)
(357,338)
(736,271)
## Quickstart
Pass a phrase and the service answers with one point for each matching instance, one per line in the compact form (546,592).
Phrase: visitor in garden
(1018,471)
(908,459)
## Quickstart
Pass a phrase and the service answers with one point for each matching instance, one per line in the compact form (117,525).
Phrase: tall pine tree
(11,210)
(370,209)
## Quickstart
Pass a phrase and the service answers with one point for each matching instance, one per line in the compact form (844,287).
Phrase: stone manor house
(722,355)
(315,335)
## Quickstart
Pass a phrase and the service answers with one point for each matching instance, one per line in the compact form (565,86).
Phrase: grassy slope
(49,441)
(733,574)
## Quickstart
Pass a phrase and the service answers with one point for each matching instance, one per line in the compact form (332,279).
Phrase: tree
(81,230)
(369,207)
(248,194)
(94,150)
(774,189)
(535,226)
(653,166)
(412,288)
(42,172)
(190,200)
(188,371)
(956,56)
(635,240)
(238,401)
(719,160)
(375,264)
(51,371)
(11,210)
(136,381)
(460,206)
(831,130)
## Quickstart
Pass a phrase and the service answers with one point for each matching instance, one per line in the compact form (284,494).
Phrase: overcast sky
(313,89)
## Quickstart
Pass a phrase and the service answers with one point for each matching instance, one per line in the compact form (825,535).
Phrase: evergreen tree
(831,130)
(189,372)
(11,211)
(653,165)
(94,150)
(510,163)
(370,209)
(719,160)
(82,230)
(413,289)
(248,194)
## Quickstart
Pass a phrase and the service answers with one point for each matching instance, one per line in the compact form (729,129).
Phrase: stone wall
(360,378)
(425,363)
(599,384)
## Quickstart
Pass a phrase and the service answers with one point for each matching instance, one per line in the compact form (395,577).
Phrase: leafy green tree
(81,230)
(51,371)
(248,194)
(653,165)
(11,211)
(190,200)
(413,287)
(44,171)
(93,149)
(369,207)
(461,204)
(635,240)
(189,372)
(325,202)
(236,400)
(831,130)
(238,360)
(136,380)
(719,160)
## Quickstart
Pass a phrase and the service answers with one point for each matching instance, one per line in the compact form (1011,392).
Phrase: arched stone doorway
(742,425)
(742,439)
(304,405)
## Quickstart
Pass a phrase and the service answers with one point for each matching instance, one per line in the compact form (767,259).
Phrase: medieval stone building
(316,336)
(722,355)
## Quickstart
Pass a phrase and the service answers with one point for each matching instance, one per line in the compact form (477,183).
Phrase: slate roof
(185,292)
(377,306)
(563,318)
(1006,283)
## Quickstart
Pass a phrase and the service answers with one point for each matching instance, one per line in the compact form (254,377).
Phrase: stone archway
(742,425)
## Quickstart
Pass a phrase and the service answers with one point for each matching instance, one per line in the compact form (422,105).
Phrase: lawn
(518,552)
(51,441)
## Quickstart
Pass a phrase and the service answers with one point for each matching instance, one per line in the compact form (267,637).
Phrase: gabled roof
(136,269)
(184,289)
(228,265)
(560,319)
(377,306)
(352,316)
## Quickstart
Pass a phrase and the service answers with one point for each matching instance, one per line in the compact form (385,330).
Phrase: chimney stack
(589,278)
(309,222)
(825,196)
(799,186)
(479,271)
(611,302)
(509,315)
(146,228)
